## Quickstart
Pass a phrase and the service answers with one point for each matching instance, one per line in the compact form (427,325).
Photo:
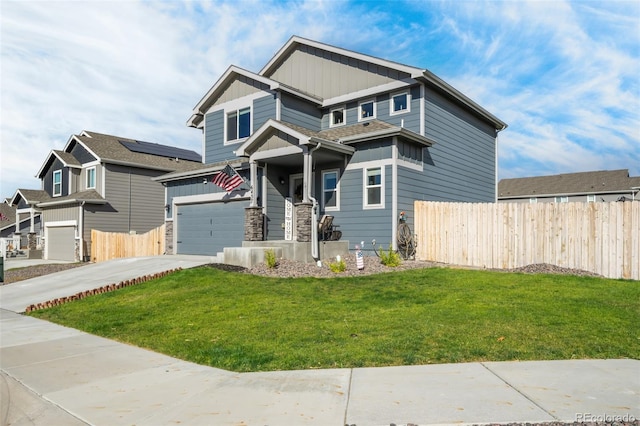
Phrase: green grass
(241,322)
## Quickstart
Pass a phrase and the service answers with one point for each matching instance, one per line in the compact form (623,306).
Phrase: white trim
(278,106)
(335,208)
(369,92)
(412,166)
(95,177)
(79,142)
(91,163)
(226,120)
(210,198)
(423,118)
(375,108)
(407,93)
(342,108)
(366,206)
(394,192)
(276,152)
(369,164)
(53,183)
(61,223)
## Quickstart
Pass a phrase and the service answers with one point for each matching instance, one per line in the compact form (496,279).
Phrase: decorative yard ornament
(360,256)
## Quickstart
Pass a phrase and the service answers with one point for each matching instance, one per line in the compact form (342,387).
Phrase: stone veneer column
(168,237)
(32,241)
(303,221)
(253,224)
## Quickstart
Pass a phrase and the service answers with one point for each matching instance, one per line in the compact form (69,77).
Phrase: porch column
(253,169)
(303,221)
(32,226)
(306,172)
(253,227)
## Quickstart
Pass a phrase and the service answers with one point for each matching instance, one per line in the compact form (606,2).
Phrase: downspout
(314,209)
(81,230)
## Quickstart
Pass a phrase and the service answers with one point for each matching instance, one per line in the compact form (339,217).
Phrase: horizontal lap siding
(300,113)
(263,110)
(463,159)
(409,120)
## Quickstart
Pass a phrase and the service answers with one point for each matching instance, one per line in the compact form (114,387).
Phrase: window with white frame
(336,117)
(591,198)
(533,200)
(562,199)
(399,103)
(373,188)
(330,190)
(57,183)
(366,110)
(238,124)
(91,178)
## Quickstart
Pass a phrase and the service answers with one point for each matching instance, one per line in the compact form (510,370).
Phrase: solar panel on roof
(161,150)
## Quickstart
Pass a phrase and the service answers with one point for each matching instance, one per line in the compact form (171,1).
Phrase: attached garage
(207,228)
(60,243)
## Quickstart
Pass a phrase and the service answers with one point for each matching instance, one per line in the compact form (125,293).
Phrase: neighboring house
(100,182)
(18,223)
(598,186)
(324,130)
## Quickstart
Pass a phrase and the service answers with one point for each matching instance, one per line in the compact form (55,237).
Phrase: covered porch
(288,171)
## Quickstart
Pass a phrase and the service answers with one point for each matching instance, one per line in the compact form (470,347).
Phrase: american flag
(227,179)
(3,217)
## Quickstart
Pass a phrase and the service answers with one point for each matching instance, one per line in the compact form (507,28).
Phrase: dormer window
(238,124)
(337,117)
(399,103)
(57,183)
(91,178)
(367,110)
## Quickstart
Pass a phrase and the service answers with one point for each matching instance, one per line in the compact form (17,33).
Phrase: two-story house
(322,130)
(586,187)
(100,182)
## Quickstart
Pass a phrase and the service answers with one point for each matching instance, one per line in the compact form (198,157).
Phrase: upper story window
(366,110)
(238,124)
(533,200)
(399,103)
(57,183)
(562,199)
(91,178)
(330,190)
(373,188)
(336,117)
(591,198)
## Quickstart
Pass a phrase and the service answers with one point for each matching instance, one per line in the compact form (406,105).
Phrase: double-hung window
(399,103)
(367,110)
(57,183)
(330,190)
(562,199)
(373,188)
(91,178)
(238,124)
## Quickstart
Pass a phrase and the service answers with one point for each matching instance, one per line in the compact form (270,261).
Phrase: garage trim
(58,224)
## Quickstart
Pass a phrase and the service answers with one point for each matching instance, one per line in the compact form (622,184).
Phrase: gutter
(314,210)
(71,201)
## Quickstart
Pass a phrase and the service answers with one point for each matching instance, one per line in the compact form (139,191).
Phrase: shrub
(338,266)
(389,258)
(270,258)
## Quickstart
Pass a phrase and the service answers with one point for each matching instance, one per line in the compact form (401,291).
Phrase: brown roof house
(598,186)
(99,182)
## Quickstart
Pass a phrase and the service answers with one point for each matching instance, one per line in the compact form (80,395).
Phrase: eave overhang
(205,171)
(53,153)
(397,131)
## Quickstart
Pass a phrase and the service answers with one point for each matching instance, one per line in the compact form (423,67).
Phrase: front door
(296,185)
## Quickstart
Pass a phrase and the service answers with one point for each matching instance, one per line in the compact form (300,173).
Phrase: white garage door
(61,243)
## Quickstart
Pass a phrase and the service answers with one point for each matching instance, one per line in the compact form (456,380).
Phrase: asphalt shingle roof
(568,183)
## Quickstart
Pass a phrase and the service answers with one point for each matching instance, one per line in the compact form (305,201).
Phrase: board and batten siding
(47,181)
(301,113)
(327,75)
(462,163)
(241,86)
(81,154)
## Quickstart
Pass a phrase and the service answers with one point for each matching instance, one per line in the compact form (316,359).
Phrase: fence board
(115,245)
(599,237)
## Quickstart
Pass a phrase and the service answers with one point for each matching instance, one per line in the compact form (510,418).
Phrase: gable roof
(9,212)
(596,182)
(66,158)
(89,196)
(30,196)
(109,149)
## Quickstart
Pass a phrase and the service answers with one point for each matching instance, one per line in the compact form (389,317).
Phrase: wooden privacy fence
(599,237)
(114,245)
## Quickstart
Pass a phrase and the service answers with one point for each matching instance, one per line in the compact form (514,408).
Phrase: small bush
(389,258)
(270,258)
(338,266)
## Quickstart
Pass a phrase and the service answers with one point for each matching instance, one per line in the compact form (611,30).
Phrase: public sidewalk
(57,375)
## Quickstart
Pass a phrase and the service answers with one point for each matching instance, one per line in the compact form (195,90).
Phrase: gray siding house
(100,182)
(322,130)
(596,186)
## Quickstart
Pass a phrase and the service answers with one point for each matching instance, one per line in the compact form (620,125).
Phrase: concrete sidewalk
(57,375)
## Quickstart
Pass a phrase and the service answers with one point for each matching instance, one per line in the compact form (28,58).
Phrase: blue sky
(564,75)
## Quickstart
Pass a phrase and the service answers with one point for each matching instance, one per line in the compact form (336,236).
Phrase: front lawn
(243,322)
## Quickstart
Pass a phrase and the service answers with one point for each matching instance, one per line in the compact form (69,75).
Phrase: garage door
(61,243)
(208,228)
